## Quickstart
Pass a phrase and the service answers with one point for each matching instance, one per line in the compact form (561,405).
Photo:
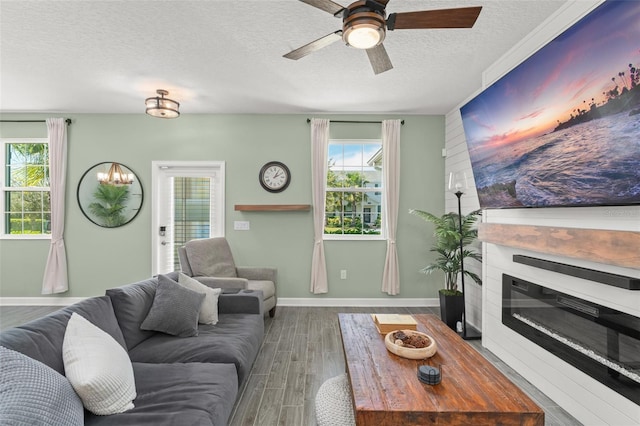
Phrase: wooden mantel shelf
(273,207)
(620,248)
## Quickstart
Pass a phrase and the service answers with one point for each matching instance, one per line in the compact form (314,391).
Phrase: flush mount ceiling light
(162,107)
(363,27)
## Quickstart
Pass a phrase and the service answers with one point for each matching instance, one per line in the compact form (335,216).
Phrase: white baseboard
(39,301)
(380,302)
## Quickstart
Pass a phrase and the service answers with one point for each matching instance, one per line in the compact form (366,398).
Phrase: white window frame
(4,189)
(373,190)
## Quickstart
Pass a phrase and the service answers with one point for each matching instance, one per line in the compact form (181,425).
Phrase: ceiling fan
(365,23)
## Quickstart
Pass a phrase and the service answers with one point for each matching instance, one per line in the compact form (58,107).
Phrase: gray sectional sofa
(179,380)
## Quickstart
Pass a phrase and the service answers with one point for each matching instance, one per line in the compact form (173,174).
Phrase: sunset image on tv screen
(563,127)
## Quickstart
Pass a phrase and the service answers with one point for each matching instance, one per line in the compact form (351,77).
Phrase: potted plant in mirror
(111,201)
(450,257)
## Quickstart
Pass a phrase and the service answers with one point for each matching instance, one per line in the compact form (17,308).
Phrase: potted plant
(449,259)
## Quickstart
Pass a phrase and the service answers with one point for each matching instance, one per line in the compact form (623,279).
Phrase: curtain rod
(68,121)
(353,121)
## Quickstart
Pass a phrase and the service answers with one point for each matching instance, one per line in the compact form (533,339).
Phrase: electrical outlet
(343,274)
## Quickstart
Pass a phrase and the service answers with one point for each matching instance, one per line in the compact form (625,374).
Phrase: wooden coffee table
(387,392)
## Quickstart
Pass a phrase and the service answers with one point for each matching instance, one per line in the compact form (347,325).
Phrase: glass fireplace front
(602,342)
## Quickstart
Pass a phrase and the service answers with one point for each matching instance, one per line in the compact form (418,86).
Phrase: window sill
(272,207)
(334,237)
(25,237)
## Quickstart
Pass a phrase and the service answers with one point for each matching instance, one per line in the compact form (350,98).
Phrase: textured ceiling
(225,56)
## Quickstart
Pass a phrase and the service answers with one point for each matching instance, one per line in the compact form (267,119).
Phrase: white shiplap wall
(457,161)
(586,399)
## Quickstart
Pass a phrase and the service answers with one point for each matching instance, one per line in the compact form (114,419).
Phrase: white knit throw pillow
(98,368)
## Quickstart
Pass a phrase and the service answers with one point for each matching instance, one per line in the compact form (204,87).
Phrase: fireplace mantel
(619,248)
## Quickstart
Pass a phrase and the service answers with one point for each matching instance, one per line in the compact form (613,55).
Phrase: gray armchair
(210,261)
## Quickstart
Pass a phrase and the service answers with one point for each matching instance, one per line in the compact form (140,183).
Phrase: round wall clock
(274,176)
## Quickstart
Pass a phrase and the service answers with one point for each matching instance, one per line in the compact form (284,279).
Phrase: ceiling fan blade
(379,59)
(326,5)
(318,44)
(463,17)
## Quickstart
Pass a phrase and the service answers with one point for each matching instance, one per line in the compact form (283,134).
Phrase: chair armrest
(223,282)
(243,302)
(257,274)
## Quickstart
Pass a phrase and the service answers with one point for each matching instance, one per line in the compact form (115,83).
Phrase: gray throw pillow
(34,393)
(175,309)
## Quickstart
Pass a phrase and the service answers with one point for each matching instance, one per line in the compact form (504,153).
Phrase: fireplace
(598,340)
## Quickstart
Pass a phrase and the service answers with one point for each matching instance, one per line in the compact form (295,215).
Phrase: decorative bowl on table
(410,344)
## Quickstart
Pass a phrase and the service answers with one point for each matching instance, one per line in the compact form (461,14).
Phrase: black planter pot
(451,308)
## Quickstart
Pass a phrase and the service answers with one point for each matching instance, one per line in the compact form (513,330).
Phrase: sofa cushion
(98,368)
(235,339)
(41,339)
(194,394)
(210,257)
(174,310)
(209,309)
(131,304)
(33,393)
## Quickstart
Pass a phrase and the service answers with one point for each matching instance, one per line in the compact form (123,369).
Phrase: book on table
(386,323)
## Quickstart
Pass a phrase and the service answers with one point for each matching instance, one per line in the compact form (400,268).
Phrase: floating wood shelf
(610,247)
(273,207)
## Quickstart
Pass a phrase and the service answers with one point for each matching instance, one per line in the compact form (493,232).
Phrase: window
(26,205)
(353,196)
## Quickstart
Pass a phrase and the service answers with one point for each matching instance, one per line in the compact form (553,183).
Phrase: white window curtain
(55,272)
(391,188)
(319,143)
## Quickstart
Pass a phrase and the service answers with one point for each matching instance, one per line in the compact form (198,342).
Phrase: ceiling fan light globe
(363,36)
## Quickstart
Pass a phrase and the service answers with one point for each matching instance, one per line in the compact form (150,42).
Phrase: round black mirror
(110,194)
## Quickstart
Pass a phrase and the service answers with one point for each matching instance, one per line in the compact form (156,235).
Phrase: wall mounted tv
(563,127)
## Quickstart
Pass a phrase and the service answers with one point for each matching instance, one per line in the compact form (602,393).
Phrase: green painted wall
(100,258)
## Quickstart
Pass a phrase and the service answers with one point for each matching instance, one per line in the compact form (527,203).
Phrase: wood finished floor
(302,349)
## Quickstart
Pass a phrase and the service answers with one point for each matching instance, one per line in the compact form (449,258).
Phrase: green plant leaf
(449,230)
(110,204)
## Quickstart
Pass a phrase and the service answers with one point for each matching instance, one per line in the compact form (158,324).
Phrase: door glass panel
(192,211)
